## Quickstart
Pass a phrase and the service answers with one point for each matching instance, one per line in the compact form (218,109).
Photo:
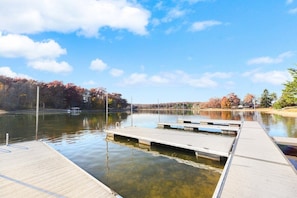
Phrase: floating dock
(256,167)
(230,123)
(198,127)
(285,141)
(202,144)
(33,169)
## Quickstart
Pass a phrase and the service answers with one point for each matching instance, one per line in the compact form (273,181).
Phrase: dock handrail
(219,188)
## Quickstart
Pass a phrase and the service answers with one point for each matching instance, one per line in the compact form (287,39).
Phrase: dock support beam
(144,142)
(7,138)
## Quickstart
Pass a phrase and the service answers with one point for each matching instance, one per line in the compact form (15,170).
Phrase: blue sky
(150,51)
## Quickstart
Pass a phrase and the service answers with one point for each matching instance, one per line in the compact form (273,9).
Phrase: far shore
(283,112)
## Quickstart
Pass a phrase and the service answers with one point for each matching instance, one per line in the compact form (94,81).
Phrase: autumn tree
(18,93)
(225,103)
(233,99)
(73,95)
(249,100)
(214,103)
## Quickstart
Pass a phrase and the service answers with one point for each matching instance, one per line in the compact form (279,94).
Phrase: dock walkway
(33,169)
(199,143)
(257,167)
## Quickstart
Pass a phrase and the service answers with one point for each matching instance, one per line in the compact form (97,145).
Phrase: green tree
(266,99)
(289,94)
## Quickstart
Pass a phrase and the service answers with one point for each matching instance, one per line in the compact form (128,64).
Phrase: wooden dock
(201,144)
(33,169)
(256,167)
(197,127)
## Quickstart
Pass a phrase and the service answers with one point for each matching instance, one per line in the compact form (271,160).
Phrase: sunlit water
(122,165)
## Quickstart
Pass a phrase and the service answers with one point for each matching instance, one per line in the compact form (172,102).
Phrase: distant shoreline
(282,112)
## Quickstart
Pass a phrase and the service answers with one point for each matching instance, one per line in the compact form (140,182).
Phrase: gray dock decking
(33,169)
(204,143)
(257,168)
(231,123)
(200,127)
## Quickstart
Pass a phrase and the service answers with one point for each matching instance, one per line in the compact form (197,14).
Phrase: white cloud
(159,5)
(221,75)
(271,77)
(98,65)
(174,13)
(202,25)
(83,16)
(177,78)
(51,66)
(205,81)
(13,46)
(289,1)
(136,78)
(159,79)
(269,60)
(6,71)
(250,73)
(90,82)
(116,72)
(195,1)
(293,11)
(40,55)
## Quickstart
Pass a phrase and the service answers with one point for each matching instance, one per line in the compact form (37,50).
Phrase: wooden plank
(257,168)
(208,143)
(33,169)
(286,141)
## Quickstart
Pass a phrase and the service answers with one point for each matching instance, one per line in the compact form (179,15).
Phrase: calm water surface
(124,166)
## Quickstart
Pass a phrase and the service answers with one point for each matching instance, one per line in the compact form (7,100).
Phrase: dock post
(7,137)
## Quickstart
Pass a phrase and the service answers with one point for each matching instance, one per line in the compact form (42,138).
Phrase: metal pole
(159,110)
(131,112)
(37,113)
(7,137)
(106,111)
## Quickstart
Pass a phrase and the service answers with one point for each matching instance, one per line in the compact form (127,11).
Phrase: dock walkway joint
(34,169)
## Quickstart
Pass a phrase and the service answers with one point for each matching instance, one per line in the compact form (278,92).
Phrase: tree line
(288,98)
(18,94)
(232,101)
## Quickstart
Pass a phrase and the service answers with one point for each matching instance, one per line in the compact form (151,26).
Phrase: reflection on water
(130,170)
(278,125)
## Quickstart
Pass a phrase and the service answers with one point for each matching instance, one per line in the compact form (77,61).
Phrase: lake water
(122,165)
